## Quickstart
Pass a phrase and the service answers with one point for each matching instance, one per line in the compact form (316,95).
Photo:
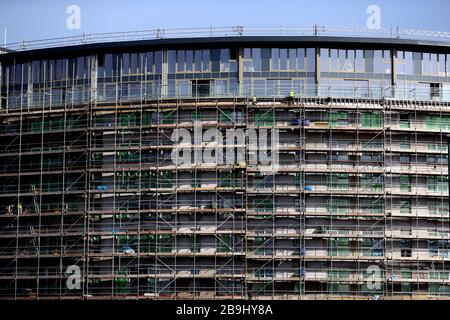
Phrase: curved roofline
(235,41)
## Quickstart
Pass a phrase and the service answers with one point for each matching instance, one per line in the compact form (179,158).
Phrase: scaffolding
(359,196)
(140,226)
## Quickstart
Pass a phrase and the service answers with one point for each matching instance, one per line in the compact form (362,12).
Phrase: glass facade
(127,76)
(347,72)
(202,72)
(233,71)
(277,71)
(423,75)
(89,176)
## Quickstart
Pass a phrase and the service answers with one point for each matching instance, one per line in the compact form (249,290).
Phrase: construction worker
(19,208)
(254,100)
(291,96)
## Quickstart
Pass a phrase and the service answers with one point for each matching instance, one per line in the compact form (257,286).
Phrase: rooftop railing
(231,31)
(146,91)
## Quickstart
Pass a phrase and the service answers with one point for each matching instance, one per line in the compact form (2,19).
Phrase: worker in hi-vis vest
(292,94)
(19,208)
(254,100)
(291,97)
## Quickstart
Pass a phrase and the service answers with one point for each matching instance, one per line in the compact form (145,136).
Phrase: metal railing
(230,31)
(140,91)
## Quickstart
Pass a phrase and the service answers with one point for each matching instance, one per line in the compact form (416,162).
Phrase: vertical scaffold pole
(448,174)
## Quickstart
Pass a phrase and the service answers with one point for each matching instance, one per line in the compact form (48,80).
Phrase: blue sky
(38,19)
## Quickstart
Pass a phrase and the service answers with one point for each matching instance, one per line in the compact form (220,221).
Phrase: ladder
(35,202)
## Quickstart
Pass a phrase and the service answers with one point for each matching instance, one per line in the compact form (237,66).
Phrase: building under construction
(93,205)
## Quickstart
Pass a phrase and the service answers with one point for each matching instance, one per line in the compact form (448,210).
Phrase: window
(164,179)
(263,288)
(226,180)
(405,158)
(225,243)
(339,181)
(438,248)
(437,184)
(371,182)
(350,61)
(435,91)
(339,247)
(126,119)
(264,118)
(439,289)
(405,288)
(171,61)
(224,60)
(359,61)
(201,88)
(404,120)
(226,116)
(441,65)
(378,68)
(275,59)
(339,156)
(439,275)
(195,243)
(405,248)
(405,206)
(339,289)
(198,59)
(435,122)
(426,64)
(342,65)
(338,206)
(372,247)
(256,59)
(433,248)
(264,205)
(81,67)
(405,183)
(334,62)
(437,159)
(434,64)
(127,180)
(134,63)
(437,146)
(372,144)
(263,273)
(164,242)
(370,206)
(338,274)
(158,59)
(371,119)
(206,60)
(150,62)
(262,246)
(180,60)
(438,208)
(386,62)
(324,60)
(283,59)
(408,63)
(189,60)
(292,59)
(369,61)
(196,115)
(125,63)
(338,119)
(417,63)
(195,182)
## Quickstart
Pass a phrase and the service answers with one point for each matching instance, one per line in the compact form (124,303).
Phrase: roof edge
(267,41)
